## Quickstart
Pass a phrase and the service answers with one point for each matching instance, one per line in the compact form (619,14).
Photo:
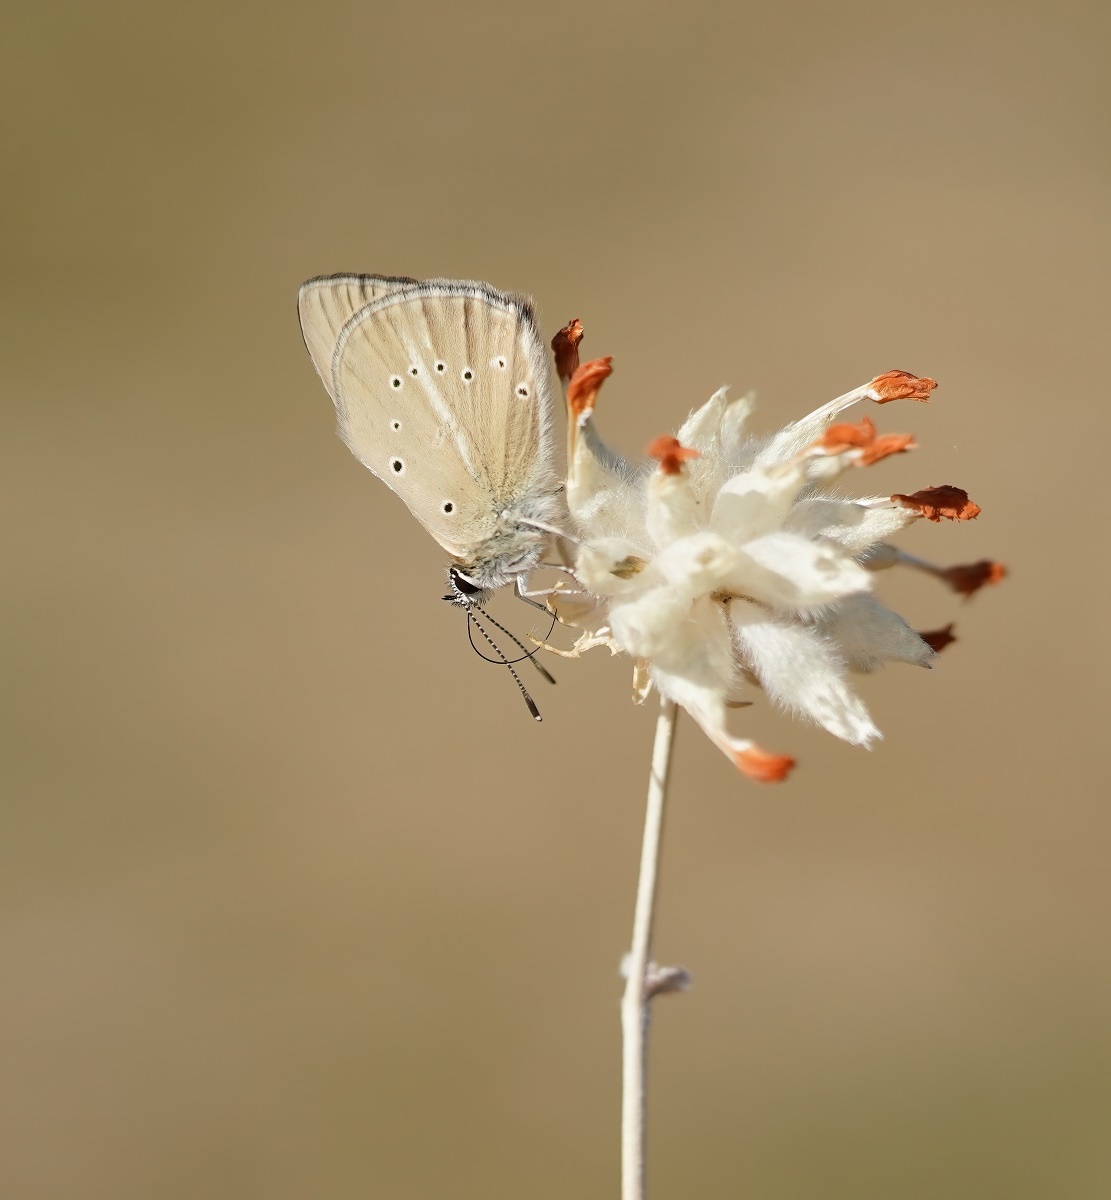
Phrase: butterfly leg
(530,596)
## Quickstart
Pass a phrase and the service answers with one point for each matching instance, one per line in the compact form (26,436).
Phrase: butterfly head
(472,583)
(465,591)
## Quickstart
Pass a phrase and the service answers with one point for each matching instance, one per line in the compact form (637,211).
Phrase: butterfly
(442,389)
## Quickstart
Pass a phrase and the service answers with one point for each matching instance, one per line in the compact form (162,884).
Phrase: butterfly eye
(395,425)
(395,381)
(449,507)
(498,362)
(397,465)
(462,584)
(522,391)
(468,374)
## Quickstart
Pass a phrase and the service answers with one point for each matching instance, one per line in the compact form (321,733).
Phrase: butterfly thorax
(514,548)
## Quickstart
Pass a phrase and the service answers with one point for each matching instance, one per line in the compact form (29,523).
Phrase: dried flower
(565,347)
(726,565)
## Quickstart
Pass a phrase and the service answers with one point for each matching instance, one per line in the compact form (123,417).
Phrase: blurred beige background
(297,901)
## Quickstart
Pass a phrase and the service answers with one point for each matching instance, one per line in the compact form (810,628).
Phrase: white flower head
(727,566)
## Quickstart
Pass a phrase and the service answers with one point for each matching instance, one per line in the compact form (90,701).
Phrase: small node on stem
(658,981)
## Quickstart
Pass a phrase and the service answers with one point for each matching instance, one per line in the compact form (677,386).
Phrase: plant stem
(635,1002)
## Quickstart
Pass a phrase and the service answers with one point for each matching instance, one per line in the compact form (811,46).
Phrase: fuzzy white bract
(728,565)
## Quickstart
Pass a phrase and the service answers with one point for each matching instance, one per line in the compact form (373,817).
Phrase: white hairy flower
(727,566)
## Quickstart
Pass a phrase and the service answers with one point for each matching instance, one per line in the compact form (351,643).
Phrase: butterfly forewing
(327,303)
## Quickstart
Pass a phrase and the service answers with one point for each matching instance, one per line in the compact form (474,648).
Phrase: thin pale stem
(635,1002)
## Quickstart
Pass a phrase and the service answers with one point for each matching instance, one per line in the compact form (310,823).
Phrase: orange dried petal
(946,501)
(882,447)
(862,436)
(583,389)
(848,436)
(671,454)
(565,344)
(971,577)
(901,385)
(763,767)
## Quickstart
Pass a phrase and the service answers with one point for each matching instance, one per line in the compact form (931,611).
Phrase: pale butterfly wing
(327,303)
(442,390)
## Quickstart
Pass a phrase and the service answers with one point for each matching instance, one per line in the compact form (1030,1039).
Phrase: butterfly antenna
(526,653)
(472,619)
